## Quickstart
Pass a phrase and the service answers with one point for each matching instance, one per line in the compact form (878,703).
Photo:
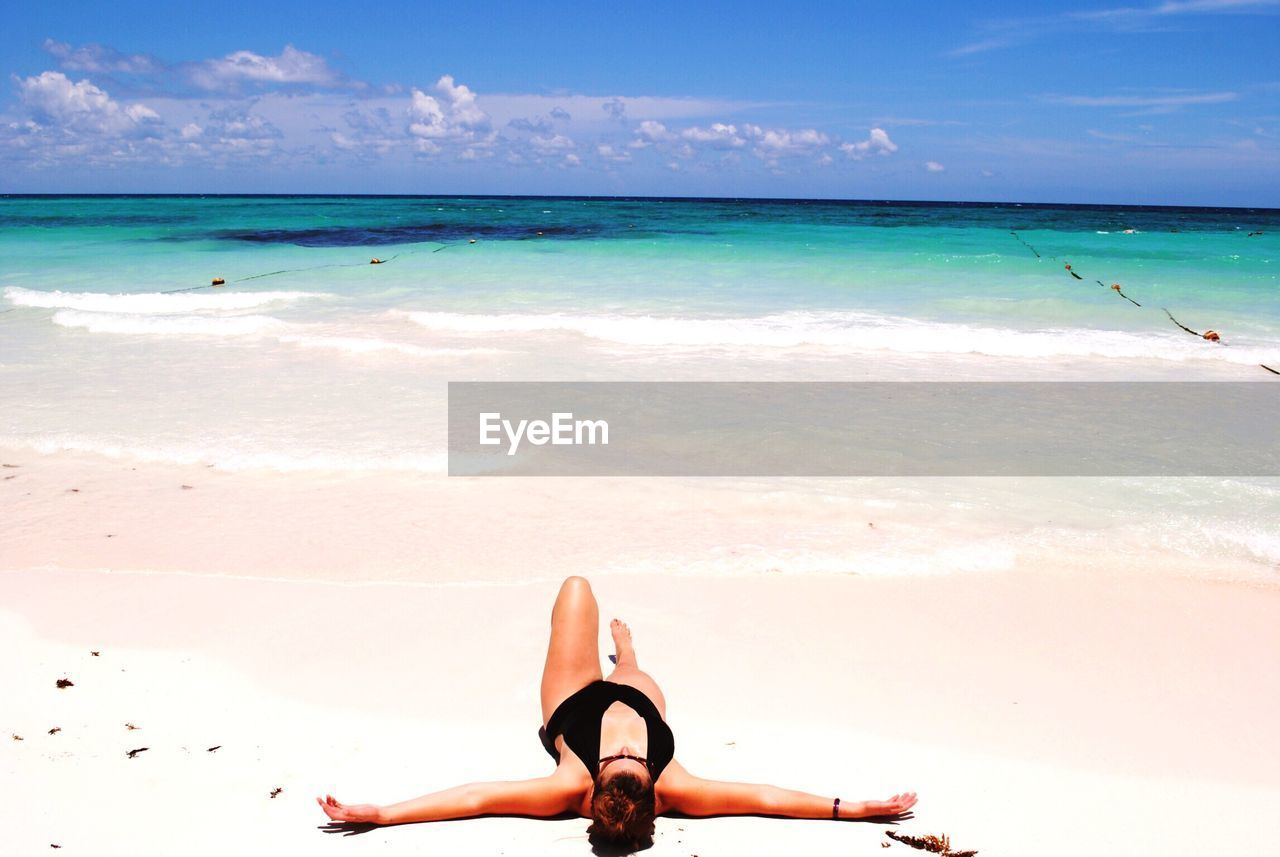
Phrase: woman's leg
(573,656)
(627,669)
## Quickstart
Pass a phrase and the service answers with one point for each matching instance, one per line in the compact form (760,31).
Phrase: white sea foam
(364,345)
(900,560)
(237,458)
(848,332)
(1259,543)
(352,344)
(168,325)
(151,303)
(213,325)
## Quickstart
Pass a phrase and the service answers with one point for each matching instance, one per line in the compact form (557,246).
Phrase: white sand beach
(1092,707)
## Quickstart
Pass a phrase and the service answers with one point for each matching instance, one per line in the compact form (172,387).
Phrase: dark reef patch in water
(421,233)
(17,220)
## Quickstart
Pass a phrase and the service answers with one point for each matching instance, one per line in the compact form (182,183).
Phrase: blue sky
(1173,102)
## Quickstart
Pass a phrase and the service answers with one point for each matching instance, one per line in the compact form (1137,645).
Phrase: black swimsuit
(578,720)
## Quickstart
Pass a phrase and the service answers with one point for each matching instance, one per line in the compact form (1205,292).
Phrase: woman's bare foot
(625,651)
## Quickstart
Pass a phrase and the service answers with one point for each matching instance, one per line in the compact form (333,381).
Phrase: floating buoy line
(1024,243)
(218,282)
(1208,335)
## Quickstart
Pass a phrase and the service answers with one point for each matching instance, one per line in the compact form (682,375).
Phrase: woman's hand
(893,806)
(365,813)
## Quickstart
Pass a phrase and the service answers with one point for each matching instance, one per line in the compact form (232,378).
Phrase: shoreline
(73,510)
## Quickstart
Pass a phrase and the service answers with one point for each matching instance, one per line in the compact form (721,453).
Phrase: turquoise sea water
(311,359)
(935,262)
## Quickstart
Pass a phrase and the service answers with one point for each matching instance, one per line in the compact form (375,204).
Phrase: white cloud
(100,58)
(292,66)
(446,119)
(1016,31)
(877,143)
(536,125)
(909,121)
(767,144)
(650,132)
(718,136)
(428,119)
(240,124)
(547,145)
(371,131)
(462,104)
(453,116)
(616,109)
(933,166)
(230,133)
(53,100)
(1175,7)
(343,142)
(1112,138)
(779,142)
(79,123)
(978,47)
(593,113)
(609,153)
(1172,100)
(141,113)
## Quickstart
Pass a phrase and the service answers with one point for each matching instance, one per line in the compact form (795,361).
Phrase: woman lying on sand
(614,753)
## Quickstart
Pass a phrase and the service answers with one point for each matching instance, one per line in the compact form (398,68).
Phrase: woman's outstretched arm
(541,798)
(690,795)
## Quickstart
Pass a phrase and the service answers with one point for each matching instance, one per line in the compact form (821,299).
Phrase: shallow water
(311,359)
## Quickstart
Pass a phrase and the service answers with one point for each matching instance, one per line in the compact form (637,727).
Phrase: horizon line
(634,198)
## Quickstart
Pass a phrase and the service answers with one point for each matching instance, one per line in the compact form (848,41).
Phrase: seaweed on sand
(935,844)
